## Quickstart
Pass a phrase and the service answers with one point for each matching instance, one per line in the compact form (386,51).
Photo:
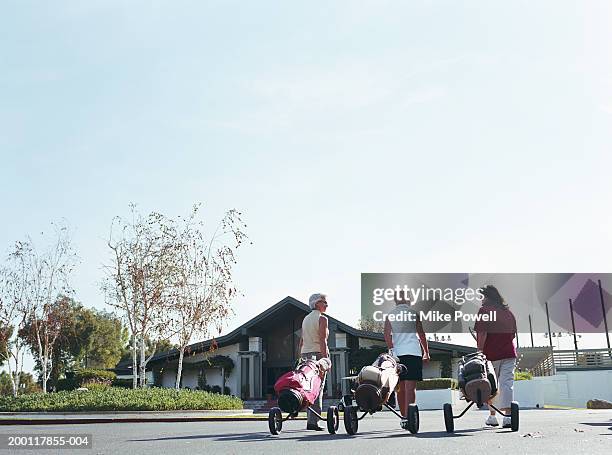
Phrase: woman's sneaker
(507,422)
(492,421)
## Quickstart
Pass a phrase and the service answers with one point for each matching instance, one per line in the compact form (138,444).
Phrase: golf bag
(376,382)
(477,379)
(299,388)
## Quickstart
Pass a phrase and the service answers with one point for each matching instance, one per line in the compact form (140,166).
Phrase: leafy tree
(6,333)
(371,325)
(26,384)
(87,338)
(105,336)
(41,335)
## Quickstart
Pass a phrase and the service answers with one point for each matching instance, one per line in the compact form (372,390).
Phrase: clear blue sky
(355,136)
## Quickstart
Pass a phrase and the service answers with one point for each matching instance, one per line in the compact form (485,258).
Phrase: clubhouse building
(248,360)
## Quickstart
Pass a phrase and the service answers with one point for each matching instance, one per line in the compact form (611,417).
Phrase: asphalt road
(541,432)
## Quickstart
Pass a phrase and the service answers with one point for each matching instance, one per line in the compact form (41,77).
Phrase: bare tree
(138,279)
(203,286)
(12,319)
(45,278)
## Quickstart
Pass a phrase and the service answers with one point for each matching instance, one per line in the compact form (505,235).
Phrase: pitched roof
(235,335)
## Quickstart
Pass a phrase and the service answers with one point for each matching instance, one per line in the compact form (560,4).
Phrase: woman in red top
(496,340)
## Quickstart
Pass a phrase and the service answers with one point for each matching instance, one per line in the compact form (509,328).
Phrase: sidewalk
(72,418)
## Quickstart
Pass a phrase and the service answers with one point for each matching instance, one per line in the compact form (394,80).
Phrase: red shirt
(500,333)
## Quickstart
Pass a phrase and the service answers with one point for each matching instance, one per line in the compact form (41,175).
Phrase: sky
(354,136)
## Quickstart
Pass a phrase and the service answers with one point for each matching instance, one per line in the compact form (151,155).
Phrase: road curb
(184,412)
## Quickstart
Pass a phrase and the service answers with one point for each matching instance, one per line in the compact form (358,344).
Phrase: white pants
(504,370)
(312,419)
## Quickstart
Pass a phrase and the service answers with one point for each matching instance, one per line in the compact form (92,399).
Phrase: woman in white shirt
(408,341)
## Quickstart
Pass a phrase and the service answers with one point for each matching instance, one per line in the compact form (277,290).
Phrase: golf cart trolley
(375,385)
(478,384)
(297,390)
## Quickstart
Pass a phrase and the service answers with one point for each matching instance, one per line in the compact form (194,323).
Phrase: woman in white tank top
(408,341)
(313,345)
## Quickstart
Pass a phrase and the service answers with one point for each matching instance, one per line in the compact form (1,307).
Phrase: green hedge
(437,383)
(119,399)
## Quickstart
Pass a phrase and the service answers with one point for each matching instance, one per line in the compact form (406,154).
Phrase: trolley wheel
(413,418)
(351,422)
(514,415)
(333,419)
(449,421)
(275,420)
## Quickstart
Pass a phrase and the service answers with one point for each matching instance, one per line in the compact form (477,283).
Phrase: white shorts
(504,369)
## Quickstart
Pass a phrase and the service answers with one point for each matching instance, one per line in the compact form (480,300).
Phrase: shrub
(437,383)
(123,383)
(215,389)
(66,384)
(85,378)
(119,399)
(93,386)
(522,376)
(91,375)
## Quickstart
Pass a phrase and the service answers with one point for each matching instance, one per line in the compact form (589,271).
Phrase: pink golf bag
(299,388)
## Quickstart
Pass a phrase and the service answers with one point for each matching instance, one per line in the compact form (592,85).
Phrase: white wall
(569,388)
(435,399)
(213,375)
(189,378)
(168,378)
(455,367)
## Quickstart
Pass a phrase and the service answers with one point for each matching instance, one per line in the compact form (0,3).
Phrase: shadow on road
(429,435)
(301,435)
(295,435)
(599,424)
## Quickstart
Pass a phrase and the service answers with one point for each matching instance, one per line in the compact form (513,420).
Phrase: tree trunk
(44,375)
(14,383)
(179,370)
(12,375)
(142,371)
(134,363)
